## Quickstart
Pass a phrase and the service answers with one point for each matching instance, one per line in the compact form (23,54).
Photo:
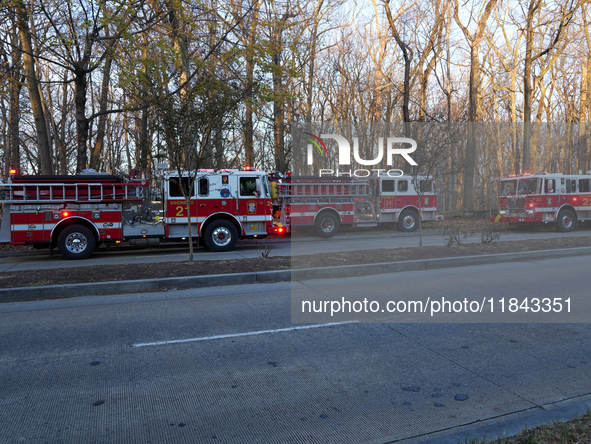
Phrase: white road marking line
(237,335)
(160,255)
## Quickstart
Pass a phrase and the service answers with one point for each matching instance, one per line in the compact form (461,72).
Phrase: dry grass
(577,431)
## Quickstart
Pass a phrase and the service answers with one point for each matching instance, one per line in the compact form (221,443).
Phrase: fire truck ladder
(322,190)
(19,193)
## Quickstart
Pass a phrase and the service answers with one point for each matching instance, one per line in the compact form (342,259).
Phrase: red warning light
(65,214)
(12,171)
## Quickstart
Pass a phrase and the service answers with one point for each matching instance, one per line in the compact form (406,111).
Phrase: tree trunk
(248,121)
(470,160)
(424,84)
(528,82)
(100,133)
(12,154)
(278,104)
(514,146)
(80,83)
(59,131)
(126,140)
(471,154)
(498,138)
(33,87)
(311,67)
(250,64)
(582,145)
(407,54)
(587,125)
(527,88)
(62,149)
(451,187)
(143,145)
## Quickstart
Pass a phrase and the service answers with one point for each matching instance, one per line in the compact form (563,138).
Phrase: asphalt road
(357,240)
(227,365)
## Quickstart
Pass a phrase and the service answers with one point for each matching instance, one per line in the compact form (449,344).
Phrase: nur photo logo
(344,153)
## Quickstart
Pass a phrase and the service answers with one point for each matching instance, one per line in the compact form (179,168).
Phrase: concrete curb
(430,264)
(55,291)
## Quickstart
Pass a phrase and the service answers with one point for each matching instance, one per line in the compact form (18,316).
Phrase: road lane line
(237,335)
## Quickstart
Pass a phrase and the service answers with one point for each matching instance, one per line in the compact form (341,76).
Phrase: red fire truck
(326,203)
(77,213)
(536,199)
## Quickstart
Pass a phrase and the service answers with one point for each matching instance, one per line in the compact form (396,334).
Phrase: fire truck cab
(225,206)
(536,199)
(78,213)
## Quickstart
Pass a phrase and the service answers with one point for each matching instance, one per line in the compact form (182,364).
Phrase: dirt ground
(65,276)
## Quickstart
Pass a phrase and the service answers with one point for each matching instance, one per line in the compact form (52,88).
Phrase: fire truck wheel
(76,242)
(327,225)
(566,221)
(408,221)
(221,235)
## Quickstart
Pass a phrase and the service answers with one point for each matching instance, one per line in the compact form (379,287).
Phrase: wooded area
(220,84)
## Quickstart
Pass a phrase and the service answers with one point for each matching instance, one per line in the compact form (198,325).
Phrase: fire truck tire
(327,225)
(76,242)
(408,221)
(220,235)
(566,221)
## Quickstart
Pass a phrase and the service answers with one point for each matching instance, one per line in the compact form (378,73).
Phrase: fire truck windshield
(509,187)
(518,187)
(527,186)
(266,186)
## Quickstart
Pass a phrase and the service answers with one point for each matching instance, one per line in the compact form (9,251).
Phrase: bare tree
(582,157)
(474,40)
(565,15)
(407,55)
(43,141)
(11,55)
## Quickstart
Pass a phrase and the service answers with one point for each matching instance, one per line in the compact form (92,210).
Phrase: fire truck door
(176,207)
(252,204)
(404,196)
(216,194)
(387,194)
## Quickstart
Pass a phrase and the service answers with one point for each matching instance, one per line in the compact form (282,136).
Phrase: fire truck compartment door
(5,227)
(143,229)
(27,226)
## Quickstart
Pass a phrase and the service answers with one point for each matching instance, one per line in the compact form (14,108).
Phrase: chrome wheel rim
(327,225)
(408,221)
(76,242)
(567,221)
(221,236)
